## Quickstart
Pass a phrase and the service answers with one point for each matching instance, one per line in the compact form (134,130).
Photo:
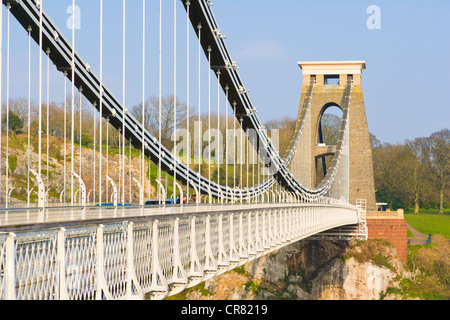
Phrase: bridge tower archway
(328,128)
(329,81)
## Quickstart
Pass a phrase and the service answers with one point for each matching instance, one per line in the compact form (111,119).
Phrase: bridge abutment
(391,226)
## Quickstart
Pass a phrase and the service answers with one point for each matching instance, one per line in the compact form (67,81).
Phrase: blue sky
(405,84)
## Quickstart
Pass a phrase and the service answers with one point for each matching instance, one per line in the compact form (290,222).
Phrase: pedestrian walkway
(419,238)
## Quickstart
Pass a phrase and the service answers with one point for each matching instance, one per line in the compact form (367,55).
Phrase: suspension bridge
(222,198)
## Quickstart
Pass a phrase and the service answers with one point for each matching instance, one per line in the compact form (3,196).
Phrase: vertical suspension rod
(100,140)
(187,100)
(199,27)
(7,104)
(175,98)
(159,100)
(123,99)
(209,117)
(65,134)
(218,128)
(72,162)
(29,117)
(143,95)
(48,121)
(1,90)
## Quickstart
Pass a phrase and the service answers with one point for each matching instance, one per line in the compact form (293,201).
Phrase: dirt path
(419,238)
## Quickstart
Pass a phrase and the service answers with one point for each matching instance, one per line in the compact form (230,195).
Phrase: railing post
(195,269)
(307,215)
(179,276)
(270,241)
(234,259)
(258,243)
(278,226)
(222,259)
(264,239)
(313,220)
(158,287)
(294,223)
(210,262)
(61,256)
(102,286)
(250,244)
(243,254)
(308,221)
(132,281)
(302,221)
(274,235)
(289,224)
(10,267)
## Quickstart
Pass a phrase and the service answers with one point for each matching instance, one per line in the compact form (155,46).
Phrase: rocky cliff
(310,270)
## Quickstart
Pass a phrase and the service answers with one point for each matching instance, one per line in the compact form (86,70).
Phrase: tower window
(331,79)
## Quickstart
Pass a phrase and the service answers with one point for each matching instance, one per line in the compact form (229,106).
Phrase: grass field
(428,221)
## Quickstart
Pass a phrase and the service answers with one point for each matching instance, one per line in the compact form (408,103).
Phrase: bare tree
(19,106)
(440,160)
(416,169)
(331,125)
(286,127)
(151,116)
(387,166)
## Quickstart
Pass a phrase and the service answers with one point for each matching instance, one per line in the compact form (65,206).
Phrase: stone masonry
(303,166)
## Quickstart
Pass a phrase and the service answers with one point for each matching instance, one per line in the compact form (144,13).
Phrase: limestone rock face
(351,281)
(311,270)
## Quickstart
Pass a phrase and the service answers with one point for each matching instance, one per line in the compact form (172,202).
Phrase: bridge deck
(157,254)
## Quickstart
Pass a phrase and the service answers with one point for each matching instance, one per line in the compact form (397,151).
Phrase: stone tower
(330,80)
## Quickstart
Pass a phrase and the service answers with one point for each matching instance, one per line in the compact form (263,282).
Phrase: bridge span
(129,255)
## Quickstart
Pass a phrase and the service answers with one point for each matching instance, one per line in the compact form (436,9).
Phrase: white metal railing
(155,255)
(51,214)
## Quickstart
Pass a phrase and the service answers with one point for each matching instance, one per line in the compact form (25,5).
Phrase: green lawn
(427,222)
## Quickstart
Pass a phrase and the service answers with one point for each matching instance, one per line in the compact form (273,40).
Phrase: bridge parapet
(128,258)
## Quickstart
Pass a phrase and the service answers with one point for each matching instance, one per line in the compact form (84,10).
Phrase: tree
(286,127)
(86,140)
(388,166)
(439,143)
(151,117)
(374,142)
(416,169)
(15,123)
(331,125)
(19,106)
